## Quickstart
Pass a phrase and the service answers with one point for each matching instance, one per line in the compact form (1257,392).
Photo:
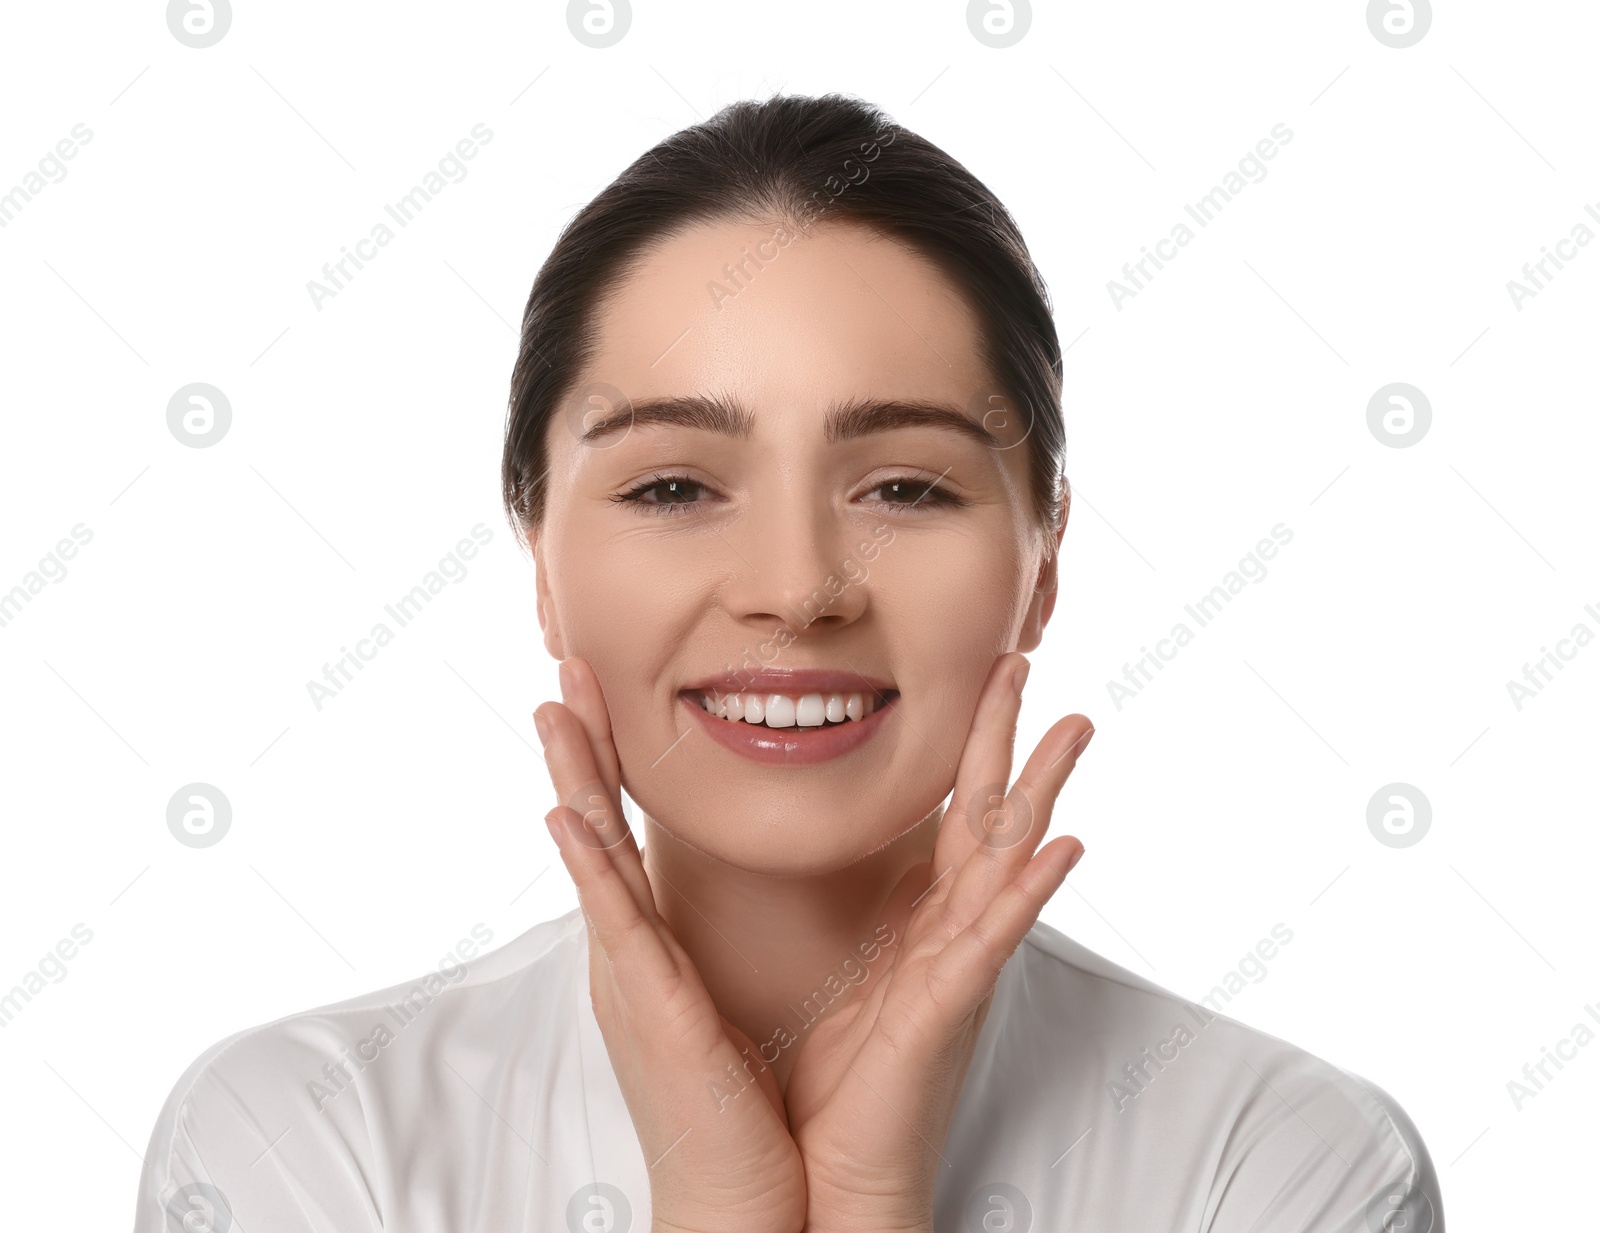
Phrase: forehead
(787,321)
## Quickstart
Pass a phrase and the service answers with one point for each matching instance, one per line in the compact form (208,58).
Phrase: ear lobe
(544,604)
(554,643)
(1043,601)
(1040,605)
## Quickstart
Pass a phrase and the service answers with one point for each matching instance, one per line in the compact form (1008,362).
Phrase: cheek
(951,608)
(954,603)
(625,611)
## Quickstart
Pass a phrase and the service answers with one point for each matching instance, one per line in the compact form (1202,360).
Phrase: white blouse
(481,1098)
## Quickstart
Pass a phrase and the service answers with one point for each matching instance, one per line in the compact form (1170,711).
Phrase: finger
(1028,809)
(1046,773)
(985,766)
(645,969)
(964,972)
(615,916)
(581,693)
(569,754)
(960,977)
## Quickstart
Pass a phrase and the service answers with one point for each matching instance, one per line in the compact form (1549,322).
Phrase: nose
(796,565)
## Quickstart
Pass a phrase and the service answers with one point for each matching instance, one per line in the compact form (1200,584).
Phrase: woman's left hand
(875,1084)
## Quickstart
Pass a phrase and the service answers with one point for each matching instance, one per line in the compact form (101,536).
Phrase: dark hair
(790,156)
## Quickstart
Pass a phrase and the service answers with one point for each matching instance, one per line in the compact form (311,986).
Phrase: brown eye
(910,492)
(674,491)
(663,494)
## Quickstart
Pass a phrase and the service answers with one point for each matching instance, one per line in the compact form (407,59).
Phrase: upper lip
(792,681)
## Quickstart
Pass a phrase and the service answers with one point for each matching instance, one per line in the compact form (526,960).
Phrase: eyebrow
(845,421)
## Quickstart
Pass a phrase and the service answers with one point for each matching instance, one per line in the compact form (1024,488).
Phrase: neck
(769,947)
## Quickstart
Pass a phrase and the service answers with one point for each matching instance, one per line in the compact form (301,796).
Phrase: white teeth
(810,711)
(788,711)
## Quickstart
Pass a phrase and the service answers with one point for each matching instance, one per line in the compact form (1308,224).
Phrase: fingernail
(1075,859)
(565,674)
(550,821)
(1019,676)
(542,726)
(1087,737)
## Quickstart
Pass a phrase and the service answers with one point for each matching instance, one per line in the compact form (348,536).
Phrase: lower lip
(789,746)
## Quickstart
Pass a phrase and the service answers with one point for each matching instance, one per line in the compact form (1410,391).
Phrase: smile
(792,710)
(796,719)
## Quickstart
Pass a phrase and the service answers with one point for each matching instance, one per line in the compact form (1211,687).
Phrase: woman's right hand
(714,1165)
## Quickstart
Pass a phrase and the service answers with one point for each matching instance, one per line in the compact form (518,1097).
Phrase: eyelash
(932,495)
(635,495)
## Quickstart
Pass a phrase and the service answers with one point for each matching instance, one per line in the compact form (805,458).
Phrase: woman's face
(779,536)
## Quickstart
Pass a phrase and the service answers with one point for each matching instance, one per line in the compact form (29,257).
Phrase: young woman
(785,442)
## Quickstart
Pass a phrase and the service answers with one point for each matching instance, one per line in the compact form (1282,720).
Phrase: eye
(907,491)
(663,494)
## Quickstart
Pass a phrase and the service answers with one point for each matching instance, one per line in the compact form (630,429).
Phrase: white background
(1226,397)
